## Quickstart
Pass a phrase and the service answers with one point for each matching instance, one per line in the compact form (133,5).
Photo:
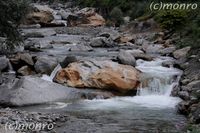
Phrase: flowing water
(53,74)
(151,110)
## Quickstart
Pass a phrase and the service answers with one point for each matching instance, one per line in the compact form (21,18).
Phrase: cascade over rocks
(99,74)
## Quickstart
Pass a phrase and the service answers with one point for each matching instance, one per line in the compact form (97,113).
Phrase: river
(151,110)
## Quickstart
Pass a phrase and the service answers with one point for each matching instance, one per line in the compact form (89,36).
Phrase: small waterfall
(10,68)
(156,79)
(53,74)
(157,83)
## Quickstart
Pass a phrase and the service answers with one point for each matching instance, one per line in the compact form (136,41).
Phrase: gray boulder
(35,33)
(98,42)
(27,58)
(184,95)
(167,51)
(192,86)
(3,63)
(45,64)
(33,90)
(126,58)
(67,61)
(29,90)
(181,53)
(139,54)
(112,34)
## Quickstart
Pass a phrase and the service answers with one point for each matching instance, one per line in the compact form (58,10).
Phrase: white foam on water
(53,74)
(152,101)
(57,105)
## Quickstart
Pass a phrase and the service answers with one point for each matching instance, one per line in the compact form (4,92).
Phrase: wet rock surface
(190,83)
(99,74)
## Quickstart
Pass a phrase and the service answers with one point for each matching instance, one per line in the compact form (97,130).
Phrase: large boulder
(34,90)
(20,60)
(126,58)
(45,64)
(181,53)
(85,17)
(99,74)
(41,17)
(40,14)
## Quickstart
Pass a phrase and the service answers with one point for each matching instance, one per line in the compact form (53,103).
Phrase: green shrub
(133,8)
(116,16)
(12,12)
(139,9)
(171,19)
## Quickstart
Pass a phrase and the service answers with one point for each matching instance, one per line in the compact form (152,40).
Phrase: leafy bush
(171,19)
(12,12)
(190,33)
(134,8)
(116,16)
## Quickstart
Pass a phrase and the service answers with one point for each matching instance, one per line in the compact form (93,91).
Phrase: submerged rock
(99,74)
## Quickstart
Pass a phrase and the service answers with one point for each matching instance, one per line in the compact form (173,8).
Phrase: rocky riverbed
(80,76)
